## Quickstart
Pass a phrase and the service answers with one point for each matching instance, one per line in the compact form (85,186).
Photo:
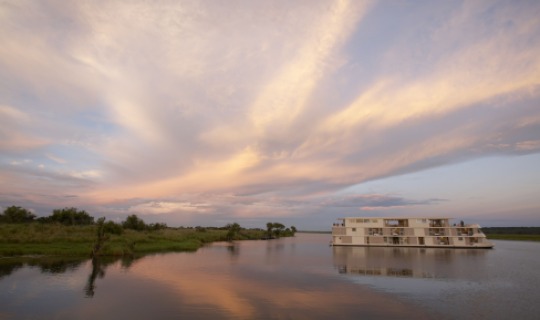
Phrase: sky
(301,112)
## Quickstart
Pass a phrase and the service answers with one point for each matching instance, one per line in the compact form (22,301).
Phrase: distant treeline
(512,230)
(76,217)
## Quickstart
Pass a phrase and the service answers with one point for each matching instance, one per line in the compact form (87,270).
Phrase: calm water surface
(291,278)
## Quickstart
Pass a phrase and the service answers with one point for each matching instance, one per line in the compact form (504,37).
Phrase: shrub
(133,222)
(112,228)
(16,214)
(71,216)
(156,226)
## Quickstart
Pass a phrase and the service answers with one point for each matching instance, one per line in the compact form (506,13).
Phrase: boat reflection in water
(456,283)
(389,272)
(407,262)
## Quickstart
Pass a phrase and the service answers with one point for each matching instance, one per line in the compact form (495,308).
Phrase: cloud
(13,137)
(374,201)
(529,145)
(164,207)
(260,107)
(56,159)
(285,97)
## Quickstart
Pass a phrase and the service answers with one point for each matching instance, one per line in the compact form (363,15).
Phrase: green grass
(521,237)
(59,240)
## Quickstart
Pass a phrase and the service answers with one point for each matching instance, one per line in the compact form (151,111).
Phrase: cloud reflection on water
(254,286)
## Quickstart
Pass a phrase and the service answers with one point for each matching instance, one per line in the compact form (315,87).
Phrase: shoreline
(514,237)
(18,240)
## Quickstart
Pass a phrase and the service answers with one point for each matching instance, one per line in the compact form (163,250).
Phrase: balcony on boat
(394,223)
(400,240)
(438,223)
(442,241)
(465,232)
(435,232)
(375,231)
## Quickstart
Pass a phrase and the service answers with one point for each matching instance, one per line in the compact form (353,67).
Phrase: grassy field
(522,237)
(54,239)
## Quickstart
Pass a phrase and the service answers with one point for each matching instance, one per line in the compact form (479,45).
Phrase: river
(289,278)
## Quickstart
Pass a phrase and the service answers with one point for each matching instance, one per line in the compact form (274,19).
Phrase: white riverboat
(407,232)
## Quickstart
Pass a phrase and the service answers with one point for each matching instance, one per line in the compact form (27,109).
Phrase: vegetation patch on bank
(519,237)
(72,232)
(513,233)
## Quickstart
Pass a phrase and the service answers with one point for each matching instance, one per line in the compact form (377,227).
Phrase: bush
(16,214)
(112,228)
(133,222)
(234,230)
(157,226)
(71,216)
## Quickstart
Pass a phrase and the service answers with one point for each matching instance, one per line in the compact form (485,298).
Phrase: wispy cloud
(373,201)
(275,107)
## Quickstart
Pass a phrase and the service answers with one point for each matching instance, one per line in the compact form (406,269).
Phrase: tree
(133,222)
(278,229)
(269,227)
(101,237)
(16,214)
(71,216)
(274,229)
(293,229)
(234,229)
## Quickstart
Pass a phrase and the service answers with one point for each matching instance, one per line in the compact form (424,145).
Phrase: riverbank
(513,233)
(60,240)
(518,237)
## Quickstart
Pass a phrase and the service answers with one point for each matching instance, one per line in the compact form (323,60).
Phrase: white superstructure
(407,232)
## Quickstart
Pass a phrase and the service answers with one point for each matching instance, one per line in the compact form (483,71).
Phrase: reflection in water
(98,270)
(275,279)
(389,272)
(293,278)
(403,262)
(60,265)
(7,267)
(99,266)
(52,265)
(234,249)
(459,283)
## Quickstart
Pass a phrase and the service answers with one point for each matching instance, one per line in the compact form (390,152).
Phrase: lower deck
(414,246)
(412,241)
